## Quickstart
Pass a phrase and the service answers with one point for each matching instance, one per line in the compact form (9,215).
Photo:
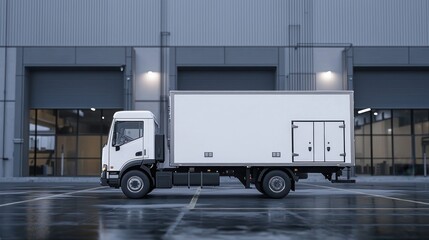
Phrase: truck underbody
(141,178)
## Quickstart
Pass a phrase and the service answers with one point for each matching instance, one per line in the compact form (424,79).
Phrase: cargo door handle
(138,154)
(309,149)
(328,148)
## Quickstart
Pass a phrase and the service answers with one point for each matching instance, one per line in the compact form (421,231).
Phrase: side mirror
(117,148)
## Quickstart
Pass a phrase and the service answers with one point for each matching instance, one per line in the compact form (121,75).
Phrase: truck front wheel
(276,184)
(135,184)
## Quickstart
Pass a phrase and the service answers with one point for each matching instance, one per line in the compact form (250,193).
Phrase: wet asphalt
(316,210)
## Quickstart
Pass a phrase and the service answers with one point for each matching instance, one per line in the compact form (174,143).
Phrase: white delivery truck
(269,139)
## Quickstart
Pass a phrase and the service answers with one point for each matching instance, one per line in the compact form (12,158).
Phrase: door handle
(309,149)
(138,154)
(328,148)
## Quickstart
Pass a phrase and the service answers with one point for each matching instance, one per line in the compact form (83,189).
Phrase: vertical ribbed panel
(2,22)
(301,57)
(371,23)
(426,20)
(214,22)
(301,82)
(228,23)
(84,22)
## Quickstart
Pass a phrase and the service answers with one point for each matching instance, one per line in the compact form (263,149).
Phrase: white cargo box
(262,128)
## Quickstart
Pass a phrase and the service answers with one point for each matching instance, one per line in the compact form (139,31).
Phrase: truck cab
(131,144)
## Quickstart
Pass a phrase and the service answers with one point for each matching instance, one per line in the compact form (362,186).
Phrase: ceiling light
(364,110)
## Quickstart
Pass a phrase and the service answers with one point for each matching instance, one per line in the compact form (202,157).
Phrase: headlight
(104,167)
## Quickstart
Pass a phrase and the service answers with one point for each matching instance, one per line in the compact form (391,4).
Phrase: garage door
(225,78)
(391,87)
(62,88)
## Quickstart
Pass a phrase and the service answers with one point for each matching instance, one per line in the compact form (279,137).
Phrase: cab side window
(127,131)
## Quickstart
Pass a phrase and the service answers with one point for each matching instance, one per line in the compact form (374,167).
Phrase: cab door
(127,143)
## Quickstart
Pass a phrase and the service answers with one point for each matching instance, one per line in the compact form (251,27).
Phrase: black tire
(151,189)
(258,186)
(135,184)
(276,184)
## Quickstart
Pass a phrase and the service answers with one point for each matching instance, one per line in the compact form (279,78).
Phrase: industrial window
(391,141)
(67,142)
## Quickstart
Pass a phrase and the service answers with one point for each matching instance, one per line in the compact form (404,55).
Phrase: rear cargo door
(334,141)
(318,141)
(302,141)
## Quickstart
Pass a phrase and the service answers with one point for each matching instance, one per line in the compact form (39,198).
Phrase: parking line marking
(308,209)
(48,197)
(190,206)
(369,194)
(194,199)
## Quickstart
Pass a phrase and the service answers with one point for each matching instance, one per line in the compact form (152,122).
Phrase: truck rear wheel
(276,184)
(258,186)
(135,184)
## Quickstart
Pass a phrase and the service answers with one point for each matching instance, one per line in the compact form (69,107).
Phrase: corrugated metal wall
(256,22)
(2,22)
(214,22)
(83,22)
(228,23)
(371,23)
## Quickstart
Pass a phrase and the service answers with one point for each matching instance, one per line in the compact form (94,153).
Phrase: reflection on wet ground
(315,211)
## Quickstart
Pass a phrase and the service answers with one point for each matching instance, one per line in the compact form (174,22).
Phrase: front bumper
(103,179)
(111,182)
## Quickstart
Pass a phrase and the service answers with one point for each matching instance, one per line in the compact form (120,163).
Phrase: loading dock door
(76,87)
(226,78)
(314,141)
(403,87)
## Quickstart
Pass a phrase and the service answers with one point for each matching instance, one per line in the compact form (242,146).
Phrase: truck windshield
(127,131)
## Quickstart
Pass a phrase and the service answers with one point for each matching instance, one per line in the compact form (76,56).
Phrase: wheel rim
(277,184)
(135,184)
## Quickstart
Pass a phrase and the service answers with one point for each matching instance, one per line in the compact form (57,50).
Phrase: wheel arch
(136,165)
(285,170)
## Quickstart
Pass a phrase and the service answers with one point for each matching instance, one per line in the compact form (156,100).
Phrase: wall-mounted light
(151,76)
(327,80)
(326,76)
(93,109)
(375,113)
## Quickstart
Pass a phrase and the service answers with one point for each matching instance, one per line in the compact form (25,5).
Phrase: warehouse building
(67,66)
